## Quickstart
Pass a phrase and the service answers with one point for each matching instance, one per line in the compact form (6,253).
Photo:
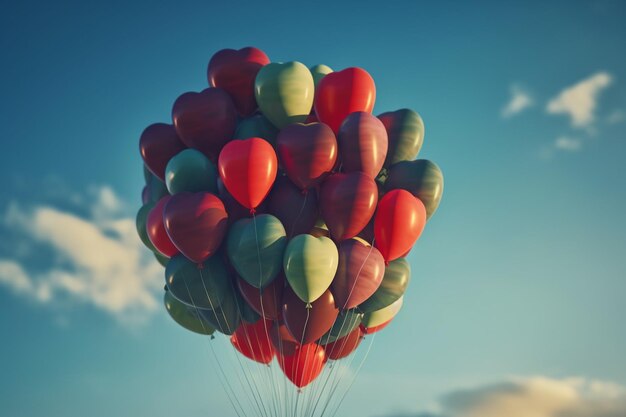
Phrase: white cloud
(579,101)
(97,260)
(569,144)
(536,397)
(520,100)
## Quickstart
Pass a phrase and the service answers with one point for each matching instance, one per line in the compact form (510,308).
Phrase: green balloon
(406,135)
(320,71)
(186,316)
(393,286)
(191,171)
(255,248)
(204,287)
(157,188)
(227,317)
(284,92)
(247,313)
(162,259)
(378,317)
(146,174)
(257,126)
(140,223)
(422,178)
(346,321)
(310,264)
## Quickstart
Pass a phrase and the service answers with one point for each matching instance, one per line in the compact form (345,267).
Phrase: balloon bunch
(282,209)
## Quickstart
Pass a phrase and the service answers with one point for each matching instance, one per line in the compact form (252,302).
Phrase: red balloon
(248,169)
(307,152)
(343,92)
(196,223)
(283,341)
(252,341)
(359,274)
(343,347)
(156,229)
(265,302)
(399,222)
(205,121)
(363,144)
(347,203)
(307,325)
(235,71)
(304,365)
(370,330)
(158,144)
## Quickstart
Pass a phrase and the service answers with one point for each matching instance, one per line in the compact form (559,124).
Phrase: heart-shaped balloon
(156,229)
(405,130)
(343,92)
(308,323)
(158,144)
(255,248)
(253,342)
(307,153)
(205,121)
(310,263)
(362,144)
(422,178)
(359,274)
(196,223)
(304,365)
(235,71)
(267,301)
(399,222)
(248,169)
(347,203)
(393,286)
(297,211)
(343,347)
(284,92)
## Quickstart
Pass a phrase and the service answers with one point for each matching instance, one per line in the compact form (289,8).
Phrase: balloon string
(306,322)
(293,225)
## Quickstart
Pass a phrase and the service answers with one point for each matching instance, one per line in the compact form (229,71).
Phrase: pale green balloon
(378,317)
(320,71)
(186,316)
(310,264)
(284,92)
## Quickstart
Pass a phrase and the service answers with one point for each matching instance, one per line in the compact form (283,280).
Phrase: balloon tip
(200,265)
(212,336)
(309,306)
(252,211)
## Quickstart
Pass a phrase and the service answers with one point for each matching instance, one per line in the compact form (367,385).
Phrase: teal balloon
(247,312)
(157,188)
(392,288)
(422,178)
(346,321)
(191,171)
(140,223)
(146,174)
(257,126)
(255,248)
(187,317)
(227,317)
(204,287)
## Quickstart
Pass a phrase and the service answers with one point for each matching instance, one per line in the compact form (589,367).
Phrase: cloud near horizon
(95,259)
(535,396)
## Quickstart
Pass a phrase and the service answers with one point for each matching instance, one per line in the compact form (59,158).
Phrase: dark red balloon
(205,120)
(359,274)
(343,92)
(283,341)
(307,153)
(235,71)
(156,229)
(297,211)
(343,347)
(265,302)
(363,144)
(347,203)
(248,169)
(196,223)
(158,144)
(306,363)
(371,330)
(307,325)
(399,222)
(252,341)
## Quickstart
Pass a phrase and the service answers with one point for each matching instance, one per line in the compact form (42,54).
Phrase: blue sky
(519,278)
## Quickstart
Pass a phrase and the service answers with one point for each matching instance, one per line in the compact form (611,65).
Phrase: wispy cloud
(520,100)
(537,397)
(95,259)
(569,144)
(616,116)
(579,101)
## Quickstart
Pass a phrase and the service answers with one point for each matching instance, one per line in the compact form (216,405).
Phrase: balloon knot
(299,390)
(212,336)
(386,262)
(200,265)
(305,191)
(309,306)
(252,211)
